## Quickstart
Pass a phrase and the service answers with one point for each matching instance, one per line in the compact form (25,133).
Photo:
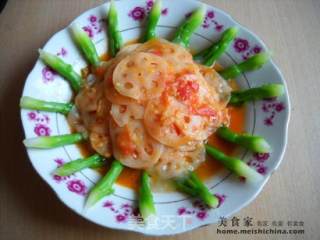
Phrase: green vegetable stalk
(79,164)
(235,165)
(253,63)
(193,186)
(104,186)
(63,69)
(85,44)
(254,143)
(153,19)
(265,91)
(36,104)
(53,141)
(146,204)
(186,29)
(114,36)
(210,55)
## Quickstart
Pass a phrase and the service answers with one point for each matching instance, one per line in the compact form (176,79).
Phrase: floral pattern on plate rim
(199,209)
(245,48)
(138,13)
(72,183)
(123,213)
(258,161)
(41,121)
(271,107)
(94,26)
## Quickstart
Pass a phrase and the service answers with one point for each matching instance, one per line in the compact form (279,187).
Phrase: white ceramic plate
(176,212)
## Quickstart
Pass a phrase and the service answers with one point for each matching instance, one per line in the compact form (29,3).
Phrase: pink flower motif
(63,52)
(209,21)
(46,118)
(257,49)
(93,18)
(32,116)
(262,170)
(136,212)
(261,157)
(59,161)
(138,13)
(48,74)
(219,27)
(88,30)
(258,162)
(205,25)
(122,212)
(149,3)
(280,107)
(181,211)
(268,122)
(126,205)
(42,130)
(164,12)
(199,209)
(265,107)
(272,107)
(121,218)
(210,14)
(221,198)
(77,186)
(241,45)
(108,204)
(202,215)
(57,178)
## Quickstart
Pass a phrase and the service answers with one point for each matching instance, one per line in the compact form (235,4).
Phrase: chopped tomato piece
(206,111)
(186,89)
(157,52)
(176,129)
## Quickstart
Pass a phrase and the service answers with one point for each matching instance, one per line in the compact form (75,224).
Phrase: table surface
(291,28)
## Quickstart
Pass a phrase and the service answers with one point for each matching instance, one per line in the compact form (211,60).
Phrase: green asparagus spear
(114,36)
(85,44)
(210,55)
(104,186)
(265,91)
(183,187)
(253,63)
(36,104)
(254,143)
(235,165)
(53,141)
(193,186)
(62,68)
(186,29)
(146,205)
(77,165)
(98,164)
(153,19)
